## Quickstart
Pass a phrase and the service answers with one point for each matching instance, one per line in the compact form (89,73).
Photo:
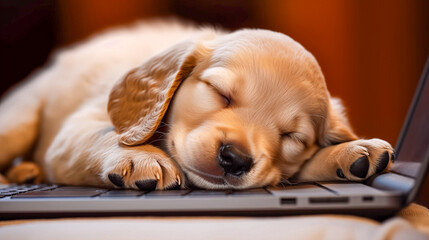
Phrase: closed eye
(225,98)
(286,134)
(293,136)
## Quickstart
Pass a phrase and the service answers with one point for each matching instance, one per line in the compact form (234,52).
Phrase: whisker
(156,140)
(163,124)
(161,133)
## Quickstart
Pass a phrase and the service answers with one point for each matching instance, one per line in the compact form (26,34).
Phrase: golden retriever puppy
(159,106)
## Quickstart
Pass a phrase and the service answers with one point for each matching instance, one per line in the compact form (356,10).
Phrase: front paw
(361,159)
(144,167)
(25,173)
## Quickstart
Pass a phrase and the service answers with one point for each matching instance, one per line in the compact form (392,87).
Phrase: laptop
(379,197)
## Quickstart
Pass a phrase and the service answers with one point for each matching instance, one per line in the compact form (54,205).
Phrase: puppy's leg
(24,173)
(3,179)
(355,160)
(86,151)
(19,119)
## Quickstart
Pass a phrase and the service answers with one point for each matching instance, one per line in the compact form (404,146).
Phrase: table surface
(410,223)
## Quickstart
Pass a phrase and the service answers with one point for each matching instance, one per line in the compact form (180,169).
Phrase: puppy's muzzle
(233,160)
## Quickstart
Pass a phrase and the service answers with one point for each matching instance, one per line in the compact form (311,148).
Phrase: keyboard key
(79,188)
(47,188)
(7,194)
(57,194)
(167,193)
(13,190)
(121,193)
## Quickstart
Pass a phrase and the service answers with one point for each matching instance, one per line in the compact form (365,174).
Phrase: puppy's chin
(205,180)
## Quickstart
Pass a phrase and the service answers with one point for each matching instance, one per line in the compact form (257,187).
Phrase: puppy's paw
(24,173)
(361,159)
(145,167)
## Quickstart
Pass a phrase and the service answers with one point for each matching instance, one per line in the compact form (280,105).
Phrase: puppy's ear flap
(139,101)
(336,128)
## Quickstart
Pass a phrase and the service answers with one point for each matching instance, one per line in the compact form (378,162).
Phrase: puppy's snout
(233,160)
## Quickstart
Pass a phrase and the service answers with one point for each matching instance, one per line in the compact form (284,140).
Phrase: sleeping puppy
(161,106)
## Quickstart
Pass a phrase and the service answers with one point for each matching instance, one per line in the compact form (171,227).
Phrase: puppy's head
(252,107)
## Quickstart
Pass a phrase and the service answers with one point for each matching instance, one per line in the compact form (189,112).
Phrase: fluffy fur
(110,112)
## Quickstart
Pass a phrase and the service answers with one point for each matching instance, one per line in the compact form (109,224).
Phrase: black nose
(233,160)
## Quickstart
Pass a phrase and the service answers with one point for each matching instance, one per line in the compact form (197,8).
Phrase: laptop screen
(413,144)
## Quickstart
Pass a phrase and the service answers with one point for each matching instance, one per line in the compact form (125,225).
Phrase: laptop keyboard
(285,191)
(55,191)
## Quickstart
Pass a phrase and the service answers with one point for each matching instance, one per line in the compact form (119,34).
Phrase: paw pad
(360,167)
(382,163)
(116,179)
(340,173)
(30,180)
(146,184)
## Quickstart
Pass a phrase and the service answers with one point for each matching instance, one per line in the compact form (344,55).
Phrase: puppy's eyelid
(286,134)
(226,98)
(294,136)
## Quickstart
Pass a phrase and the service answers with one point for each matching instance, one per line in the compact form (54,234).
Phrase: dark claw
(360,167)
(116,179)
(146,184)
(393,157)
(30,180)
(382,163)
(340,173)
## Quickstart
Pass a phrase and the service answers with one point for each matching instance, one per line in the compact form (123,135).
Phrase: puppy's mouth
(207,177)
(215,182)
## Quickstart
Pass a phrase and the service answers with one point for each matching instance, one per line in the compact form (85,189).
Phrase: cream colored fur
(85,116)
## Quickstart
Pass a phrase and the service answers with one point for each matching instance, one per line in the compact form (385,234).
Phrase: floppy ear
(337,128)
(138,102)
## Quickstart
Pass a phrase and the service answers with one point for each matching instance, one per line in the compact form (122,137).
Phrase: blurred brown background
(372,52)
